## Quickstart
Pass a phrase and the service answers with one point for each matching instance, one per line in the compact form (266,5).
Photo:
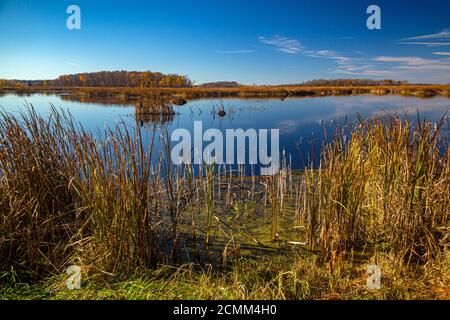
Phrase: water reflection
(146,119)
(303,122)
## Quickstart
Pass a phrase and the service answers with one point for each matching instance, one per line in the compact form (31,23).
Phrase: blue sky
(262,42)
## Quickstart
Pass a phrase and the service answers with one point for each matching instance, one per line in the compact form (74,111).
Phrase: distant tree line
(352,82)
(11,83)
(156,79)
(109,79)
(317,83)
(221,84)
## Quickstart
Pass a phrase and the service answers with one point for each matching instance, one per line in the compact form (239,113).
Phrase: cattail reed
(66,195)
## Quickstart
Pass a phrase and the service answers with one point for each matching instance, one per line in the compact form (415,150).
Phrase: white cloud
(429,40)
(444,34)
(72,64)
(293,46)
(344,64)
(428,44)
(416,68)
(363,70)
(412,61)
(411,68)
(442,53)
(350,65)
(282,44)
(328,54)
(435,67)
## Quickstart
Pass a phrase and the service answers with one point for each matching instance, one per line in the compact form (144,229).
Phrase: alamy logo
(374,279)
(235,147)
(74,20)
(73,282)
(374,21)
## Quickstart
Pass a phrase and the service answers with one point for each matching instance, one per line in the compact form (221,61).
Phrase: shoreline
(133,93)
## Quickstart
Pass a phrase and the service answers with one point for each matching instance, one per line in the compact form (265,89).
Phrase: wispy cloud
(358,64)
(365,70)
(282,44)
(444,34)
(411,61)
(72,64)
(236,51)
(399,67)
(328,54)
(432,70)
(442,53)
(428,44)
(441,38)
(344,64)
(293,46)
(347,65)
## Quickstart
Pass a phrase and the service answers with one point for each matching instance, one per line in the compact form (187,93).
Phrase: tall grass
(66,194)
(38,211)
(102,201)
(386,187)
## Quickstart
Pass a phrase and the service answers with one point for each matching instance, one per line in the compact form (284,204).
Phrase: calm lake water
(301,121)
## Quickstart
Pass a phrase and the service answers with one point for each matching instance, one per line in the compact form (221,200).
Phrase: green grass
(265,279)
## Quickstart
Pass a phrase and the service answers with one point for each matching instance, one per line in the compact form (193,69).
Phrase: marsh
(303,123)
